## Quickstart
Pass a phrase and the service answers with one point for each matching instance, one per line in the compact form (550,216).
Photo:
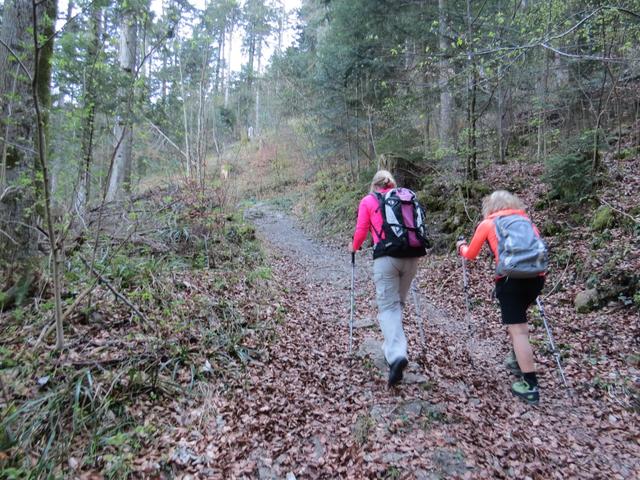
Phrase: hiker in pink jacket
(392,273)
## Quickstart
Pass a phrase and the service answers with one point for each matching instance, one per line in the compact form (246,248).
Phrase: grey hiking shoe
(511,364)
(529,394)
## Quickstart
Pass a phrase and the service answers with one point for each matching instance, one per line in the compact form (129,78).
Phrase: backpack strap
(380,199)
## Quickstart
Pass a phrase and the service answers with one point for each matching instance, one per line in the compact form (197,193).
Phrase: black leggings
(515,295)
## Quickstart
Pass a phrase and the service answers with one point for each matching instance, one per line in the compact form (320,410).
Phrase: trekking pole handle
(353,258)
(460,239)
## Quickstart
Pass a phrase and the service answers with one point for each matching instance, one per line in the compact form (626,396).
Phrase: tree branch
(162,134)
(11,239)
(118,295)
(583,57)
(15,55)
(630,217)
(544,42)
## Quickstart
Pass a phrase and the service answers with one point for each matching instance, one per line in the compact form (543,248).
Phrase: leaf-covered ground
(307,409)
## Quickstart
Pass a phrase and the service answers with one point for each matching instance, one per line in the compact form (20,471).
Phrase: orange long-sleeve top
(486,231)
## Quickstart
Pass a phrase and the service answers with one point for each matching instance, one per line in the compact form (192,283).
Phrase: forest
(180,179)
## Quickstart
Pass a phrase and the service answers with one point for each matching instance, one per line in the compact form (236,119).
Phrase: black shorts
(515,295)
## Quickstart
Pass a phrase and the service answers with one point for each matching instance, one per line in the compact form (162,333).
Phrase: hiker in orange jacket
(514,294)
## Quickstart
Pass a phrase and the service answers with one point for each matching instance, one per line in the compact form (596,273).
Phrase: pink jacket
(368,216)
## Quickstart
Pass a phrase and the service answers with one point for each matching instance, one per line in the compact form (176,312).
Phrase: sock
(530,378)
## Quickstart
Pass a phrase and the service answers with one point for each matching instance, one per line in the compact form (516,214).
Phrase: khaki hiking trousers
(393,277)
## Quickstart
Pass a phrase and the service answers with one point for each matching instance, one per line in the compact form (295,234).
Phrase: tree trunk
(219,59)
(228,79)
(373,153)
(472,154)
(164,77)
(472,87)
(541,152)
(25,144)
(88,127)
(252,51)
(542,94)
(43,19)
(201,140)
(185,120)
(120,177)
(257,112)
(446,98)
(17,197)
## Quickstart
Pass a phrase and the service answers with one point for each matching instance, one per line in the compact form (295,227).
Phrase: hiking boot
(395,371)
(511,364)
(529,394)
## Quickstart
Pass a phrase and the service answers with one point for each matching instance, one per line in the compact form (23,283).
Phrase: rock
(449,462)
(183,455)
(372,348)
(410,377)
(426,475)
(366,322)
(319,449)
(362,428)
(586,300)
(393,458)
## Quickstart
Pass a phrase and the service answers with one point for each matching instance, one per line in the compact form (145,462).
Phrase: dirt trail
(308,410)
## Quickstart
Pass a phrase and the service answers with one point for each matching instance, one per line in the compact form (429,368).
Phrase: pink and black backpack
(404,231)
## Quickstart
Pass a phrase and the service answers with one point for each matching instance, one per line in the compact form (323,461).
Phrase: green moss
(628,152)
(551,228)
(577,218)
(541,204)
(6,439)
(603,218)
(475,190)
(13,157)
(433,197)
(335,201)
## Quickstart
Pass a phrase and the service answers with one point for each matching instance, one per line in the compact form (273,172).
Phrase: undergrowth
(192,276)
(331,206)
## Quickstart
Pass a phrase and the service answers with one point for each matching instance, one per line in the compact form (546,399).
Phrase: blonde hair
(382,179)
(500,200)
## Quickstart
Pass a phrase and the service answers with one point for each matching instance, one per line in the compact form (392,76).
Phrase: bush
(570,175)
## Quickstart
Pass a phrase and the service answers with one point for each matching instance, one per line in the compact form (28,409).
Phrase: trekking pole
(551,343)
(465,286)
(416,301)
(353,300)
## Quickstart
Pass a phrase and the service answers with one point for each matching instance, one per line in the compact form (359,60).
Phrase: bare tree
(88,127)
(26,40)
(120,176)
(446,98)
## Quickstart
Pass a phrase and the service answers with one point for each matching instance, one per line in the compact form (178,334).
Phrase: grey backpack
(521,253)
